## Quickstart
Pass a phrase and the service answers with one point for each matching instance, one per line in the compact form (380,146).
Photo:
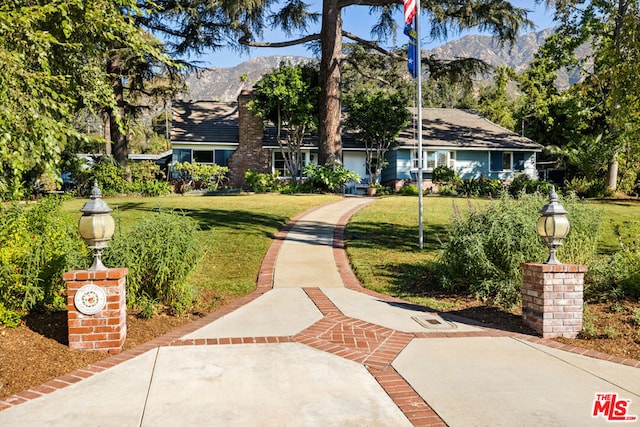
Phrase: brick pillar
(249,154)
(552,297)
(107,328)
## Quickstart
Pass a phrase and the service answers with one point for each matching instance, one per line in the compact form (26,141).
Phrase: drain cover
(433,321)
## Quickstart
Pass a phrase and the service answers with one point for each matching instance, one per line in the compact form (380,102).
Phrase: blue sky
(356,20)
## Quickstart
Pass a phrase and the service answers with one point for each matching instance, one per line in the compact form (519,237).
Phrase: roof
(205,121)
(464,129)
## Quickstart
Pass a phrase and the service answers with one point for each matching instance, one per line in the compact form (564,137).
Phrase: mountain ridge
(225,84)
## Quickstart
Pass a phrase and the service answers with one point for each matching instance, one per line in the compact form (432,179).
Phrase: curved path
(311,347)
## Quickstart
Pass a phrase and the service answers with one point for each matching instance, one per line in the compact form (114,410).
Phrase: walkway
(311,347)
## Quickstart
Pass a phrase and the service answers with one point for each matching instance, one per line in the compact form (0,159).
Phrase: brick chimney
(249,154)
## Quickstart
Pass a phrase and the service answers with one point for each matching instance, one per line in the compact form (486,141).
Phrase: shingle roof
(464,129)
(208,121)
(205,121)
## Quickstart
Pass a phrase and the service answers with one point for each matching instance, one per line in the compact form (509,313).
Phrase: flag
(412,57)
(410,10)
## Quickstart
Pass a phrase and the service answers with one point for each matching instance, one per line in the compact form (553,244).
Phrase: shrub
(329,177)
(160,252)
(201,177)
(485,246)
(586,188)
(149,188)
(38,243)
(617,276)
(523,184)
(409,190)
(481,186)
(445,174)
(262,182)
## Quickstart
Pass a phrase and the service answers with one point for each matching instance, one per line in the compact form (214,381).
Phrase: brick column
(552,297)
(107,329)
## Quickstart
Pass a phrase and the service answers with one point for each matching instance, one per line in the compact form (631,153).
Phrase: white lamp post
(553,225)
(96,226)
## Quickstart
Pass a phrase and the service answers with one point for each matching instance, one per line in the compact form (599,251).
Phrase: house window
(203,156)
(518,161)
(181,155)
(501,161)
(280,165)
(222,157)
(433,159)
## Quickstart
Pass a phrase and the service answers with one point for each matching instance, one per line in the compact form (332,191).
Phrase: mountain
(224,84)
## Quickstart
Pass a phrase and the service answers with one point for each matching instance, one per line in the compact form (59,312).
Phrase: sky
(357,20)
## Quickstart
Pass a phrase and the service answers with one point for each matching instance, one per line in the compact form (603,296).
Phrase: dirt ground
(37,351)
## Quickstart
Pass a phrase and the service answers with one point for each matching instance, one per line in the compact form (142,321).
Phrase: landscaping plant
(160,252)
(485,246)
(38,243)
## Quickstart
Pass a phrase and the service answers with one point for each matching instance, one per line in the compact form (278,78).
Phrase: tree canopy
(293,18)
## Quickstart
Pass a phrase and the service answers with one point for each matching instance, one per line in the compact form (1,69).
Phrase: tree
(377,118)
(610,89)
(496,16)
(52,57)
(495,103)
(288,97)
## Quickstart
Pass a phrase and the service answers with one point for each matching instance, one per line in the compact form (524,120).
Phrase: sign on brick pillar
(552,298)
(97,309)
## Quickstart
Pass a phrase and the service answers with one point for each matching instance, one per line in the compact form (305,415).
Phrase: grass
(236,232)
(383,240)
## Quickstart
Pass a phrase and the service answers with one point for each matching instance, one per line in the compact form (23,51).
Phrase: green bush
(485,246)
(329,177)
(262,182)
(445,174)
(482,186)
(409,190)
(583,187)
(617,276)
(149,188)
(201,177)
(38,243)
(523,184)
(160,252)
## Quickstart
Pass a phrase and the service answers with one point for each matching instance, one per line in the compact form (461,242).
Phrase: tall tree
(377,118)
(52,56)
(288,97)
(293,16)
(611,84)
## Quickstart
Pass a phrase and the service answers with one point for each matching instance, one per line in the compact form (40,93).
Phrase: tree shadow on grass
(393,236)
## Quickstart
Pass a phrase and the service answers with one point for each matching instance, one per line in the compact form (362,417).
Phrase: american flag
(409,11)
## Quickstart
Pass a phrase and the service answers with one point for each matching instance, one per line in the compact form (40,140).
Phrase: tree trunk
(612,179)
(329,140)
(118,139)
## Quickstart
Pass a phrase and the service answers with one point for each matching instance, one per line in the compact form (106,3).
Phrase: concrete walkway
(311,347)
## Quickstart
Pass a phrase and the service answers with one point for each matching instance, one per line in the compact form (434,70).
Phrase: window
(222,157)
(280,165)
(501,161)
(518,161)
(181,155)
(203,156)
(433,159)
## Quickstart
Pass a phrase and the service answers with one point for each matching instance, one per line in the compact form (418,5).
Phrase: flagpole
(419,105)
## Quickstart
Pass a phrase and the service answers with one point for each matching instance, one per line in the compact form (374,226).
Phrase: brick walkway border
(374,346)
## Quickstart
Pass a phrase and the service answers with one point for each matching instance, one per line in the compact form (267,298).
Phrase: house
(226,133)
(465,141)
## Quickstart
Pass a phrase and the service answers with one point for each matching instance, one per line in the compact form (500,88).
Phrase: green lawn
(236,231)
(383,239)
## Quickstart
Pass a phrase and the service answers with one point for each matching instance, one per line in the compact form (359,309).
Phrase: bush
(38,243)
(149,188)
(409,190)
(445,174)
(329,177)
(582,187)
(481,186)
(196,176)
(262,182)
(485,247)
(522,184)
(160,252)
(617,276)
